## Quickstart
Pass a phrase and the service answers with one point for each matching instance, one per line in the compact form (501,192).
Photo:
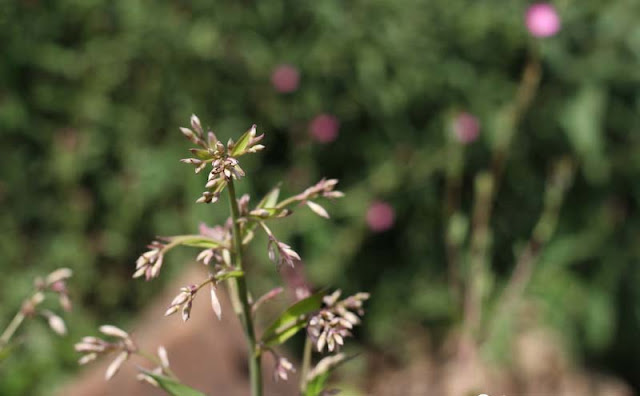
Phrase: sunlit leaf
(241,145)
(271,199)
(269,213)
(173,387)
(292,320)
(198,241)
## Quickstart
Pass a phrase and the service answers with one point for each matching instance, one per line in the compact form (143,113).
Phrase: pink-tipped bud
(380,216)
(285,78)
(542,20)
(466,128)
(324,128)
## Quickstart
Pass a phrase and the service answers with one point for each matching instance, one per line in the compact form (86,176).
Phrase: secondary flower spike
(542,20)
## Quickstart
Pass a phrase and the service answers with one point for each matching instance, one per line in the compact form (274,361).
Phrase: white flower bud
(115,365)
(113,331)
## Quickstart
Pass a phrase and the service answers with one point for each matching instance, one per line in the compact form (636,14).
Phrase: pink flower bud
(285,78)
(466,128)
(380,216)
(324,128)
(542,20)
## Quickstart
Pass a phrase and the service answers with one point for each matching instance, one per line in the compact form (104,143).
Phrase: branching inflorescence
(327,320)
(54,284)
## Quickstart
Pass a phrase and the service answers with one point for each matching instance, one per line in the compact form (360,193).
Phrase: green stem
(306,364)
(11,329)
(240,298)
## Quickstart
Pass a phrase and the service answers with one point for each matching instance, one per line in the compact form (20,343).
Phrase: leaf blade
(289,322)
(173,387)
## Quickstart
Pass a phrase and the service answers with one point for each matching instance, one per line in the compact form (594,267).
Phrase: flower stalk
(222,251)
(240,298)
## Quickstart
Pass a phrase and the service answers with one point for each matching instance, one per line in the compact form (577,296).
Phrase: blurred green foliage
(92,92)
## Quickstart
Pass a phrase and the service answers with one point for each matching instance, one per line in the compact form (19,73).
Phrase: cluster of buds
(283,368)
(150,262)
(184,300)
(94,346)
(324,188)
(57,282)
(279,252)
(223,159)
(54,282)
(219,233)
(334,322)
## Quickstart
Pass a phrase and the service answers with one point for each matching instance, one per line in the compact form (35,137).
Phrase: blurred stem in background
(557,186)
(11,329)
(486,186)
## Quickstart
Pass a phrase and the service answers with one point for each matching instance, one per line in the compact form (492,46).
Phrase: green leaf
(241,145)
(269,213)
(198,241)
(230,274)
(292,320)
(201,154)
(173,387)
(270,200)
(316,385)
(5,351)
(317,378)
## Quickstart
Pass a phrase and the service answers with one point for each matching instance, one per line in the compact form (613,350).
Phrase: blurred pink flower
(324,128)
(380,216)
(542,20)
(285,78)
(466,128)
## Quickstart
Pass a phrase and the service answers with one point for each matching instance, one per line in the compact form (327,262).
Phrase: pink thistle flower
(466,128)
(542,20)
(324,128)
(285,78)
(380,216)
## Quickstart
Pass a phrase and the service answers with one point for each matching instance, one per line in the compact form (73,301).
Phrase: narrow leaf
(286,332)
(198,241)
(171,386)
(269,213)
(292,320)
(316,386)
(200,153)
(271,199)
(241,145)
(221,276)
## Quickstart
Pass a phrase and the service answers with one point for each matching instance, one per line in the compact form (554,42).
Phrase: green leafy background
(92,93)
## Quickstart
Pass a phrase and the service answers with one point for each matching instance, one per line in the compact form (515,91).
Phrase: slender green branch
(11,328)
(306,364)
(241,298)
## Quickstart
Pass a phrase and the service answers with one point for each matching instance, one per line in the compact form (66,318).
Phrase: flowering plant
(54,284)
(327,318)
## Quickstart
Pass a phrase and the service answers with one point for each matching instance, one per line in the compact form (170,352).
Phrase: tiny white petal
(57,325)
(87,358)
(215,303)
(113,331)
(317,209)
(58,275)
(115,365)
(164,357)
